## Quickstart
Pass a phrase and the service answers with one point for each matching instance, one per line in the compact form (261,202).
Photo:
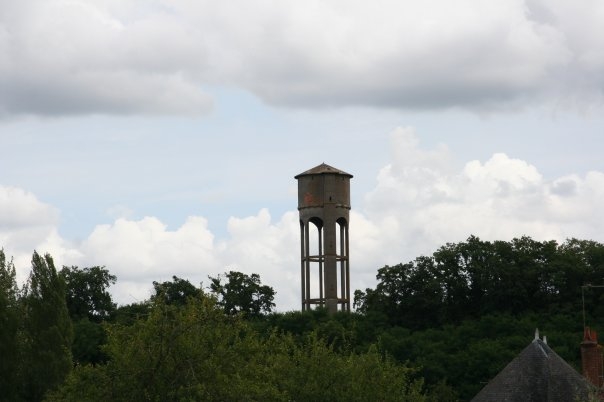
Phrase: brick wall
(591,358)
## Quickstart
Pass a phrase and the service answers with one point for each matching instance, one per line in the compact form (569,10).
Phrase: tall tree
(9,325)
(177,291)
(242,293)
(86,292)
(47,330)
(89,304)
(408,294)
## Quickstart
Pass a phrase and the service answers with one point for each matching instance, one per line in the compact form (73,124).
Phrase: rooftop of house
(536,374)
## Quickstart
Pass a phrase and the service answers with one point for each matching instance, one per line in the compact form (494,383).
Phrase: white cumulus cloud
(421,200)
(28,224)
(423,203)
(139,252)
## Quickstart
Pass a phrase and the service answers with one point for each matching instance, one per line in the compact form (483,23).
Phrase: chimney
(591,357)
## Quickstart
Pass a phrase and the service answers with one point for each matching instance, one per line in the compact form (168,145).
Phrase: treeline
(433,329)
(195,352)
(463,313)
(63,339)
(470,279)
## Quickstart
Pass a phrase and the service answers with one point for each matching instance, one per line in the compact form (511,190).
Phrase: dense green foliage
(469,279)
(195,352)
(9,326)
(178,291)
(243,293)
(89,304)
(463,313)
(47,330)
(436,329)
(87,293)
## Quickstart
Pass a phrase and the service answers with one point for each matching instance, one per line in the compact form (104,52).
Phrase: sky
(160,138)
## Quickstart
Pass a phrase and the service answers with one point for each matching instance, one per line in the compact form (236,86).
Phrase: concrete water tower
(324,205)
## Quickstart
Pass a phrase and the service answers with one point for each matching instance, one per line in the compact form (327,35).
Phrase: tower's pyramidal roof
(323,168)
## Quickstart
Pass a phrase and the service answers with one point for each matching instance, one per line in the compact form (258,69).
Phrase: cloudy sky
(161,138)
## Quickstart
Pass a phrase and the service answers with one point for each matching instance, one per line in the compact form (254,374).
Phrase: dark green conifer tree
(9,325)
(47,331)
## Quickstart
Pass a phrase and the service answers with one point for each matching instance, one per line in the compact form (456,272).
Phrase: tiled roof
(537,374)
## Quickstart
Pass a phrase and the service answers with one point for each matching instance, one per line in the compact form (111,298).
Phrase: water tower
(324,205)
